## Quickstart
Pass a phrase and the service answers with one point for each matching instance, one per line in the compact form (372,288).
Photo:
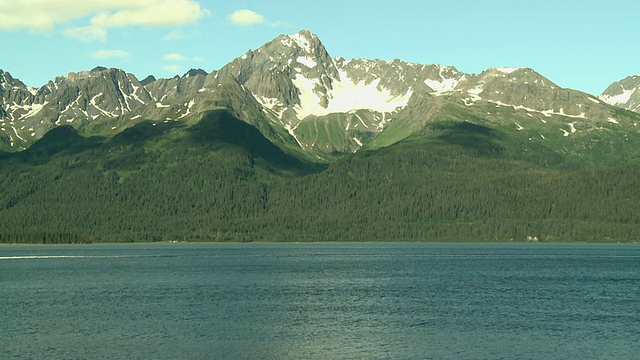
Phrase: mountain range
(289,143)
(301,97)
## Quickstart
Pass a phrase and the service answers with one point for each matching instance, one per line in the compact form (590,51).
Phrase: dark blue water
(320,301)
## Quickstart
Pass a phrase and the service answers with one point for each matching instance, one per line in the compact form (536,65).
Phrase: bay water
(320,301)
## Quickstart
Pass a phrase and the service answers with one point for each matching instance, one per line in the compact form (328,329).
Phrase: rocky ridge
(293,90)
(624,93)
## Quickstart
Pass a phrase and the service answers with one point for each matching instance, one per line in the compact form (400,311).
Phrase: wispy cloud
(174,57)
(151,13)
(107,54)
(177,60)
(44,15)
(174,35)
(172,69)
(180,57)
(246,17)
(86,34)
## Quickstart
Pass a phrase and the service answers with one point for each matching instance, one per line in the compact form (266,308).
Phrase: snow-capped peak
(506,70)
(303,39)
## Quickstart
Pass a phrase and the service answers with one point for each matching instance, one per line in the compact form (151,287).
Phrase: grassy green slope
(597,142)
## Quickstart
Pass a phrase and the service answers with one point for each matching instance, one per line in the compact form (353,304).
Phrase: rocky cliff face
(76,99)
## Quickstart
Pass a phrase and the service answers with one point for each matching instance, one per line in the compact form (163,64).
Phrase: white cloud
(45,15)
(180,57)
(107,54)
(86,33)
(151,13)
(246,17)
(174,35)
(174,57)
(173,69)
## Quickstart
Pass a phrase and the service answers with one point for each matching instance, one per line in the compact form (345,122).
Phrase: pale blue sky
(580,44)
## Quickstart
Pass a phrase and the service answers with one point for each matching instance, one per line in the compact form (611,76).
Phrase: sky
(579,44)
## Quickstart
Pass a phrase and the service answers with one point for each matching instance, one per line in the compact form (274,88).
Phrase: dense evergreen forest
(221,180)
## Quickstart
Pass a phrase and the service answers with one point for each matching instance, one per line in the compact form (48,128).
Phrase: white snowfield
(443,85)
(307,61)
(619,99)
(346,96)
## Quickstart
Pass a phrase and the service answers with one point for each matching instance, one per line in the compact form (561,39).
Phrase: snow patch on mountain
(291,131)
(273,104)
(346,96)
(618,99)
(300,40)
(307,61)
(475,93)
(18,135)
(506,70)
(33,110)
(189,105)
(443,85)
(547,113)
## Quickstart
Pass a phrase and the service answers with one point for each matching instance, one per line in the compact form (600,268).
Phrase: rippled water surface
(320,301)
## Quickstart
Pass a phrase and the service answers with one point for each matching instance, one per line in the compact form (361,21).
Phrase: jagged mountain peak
(98,69)
(505,69)
(148,80)
(9,81)
(301,50)
(300,87)
(329,105)
(93,73)
(195,72)
(521,74)
(304,39)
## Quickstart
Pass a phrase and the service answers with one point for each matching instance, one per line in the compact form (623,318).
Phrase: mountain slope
(624,93)
(322,107)
(220,180)
(527,107)
(415,152)
(152,181)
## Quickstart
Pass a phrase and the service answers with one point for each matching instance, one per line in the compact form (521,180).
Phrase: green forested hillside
(221,180)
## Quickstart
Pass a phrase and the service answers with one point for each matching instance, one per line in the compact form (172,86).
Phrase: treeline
(173,188)
(43,238)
